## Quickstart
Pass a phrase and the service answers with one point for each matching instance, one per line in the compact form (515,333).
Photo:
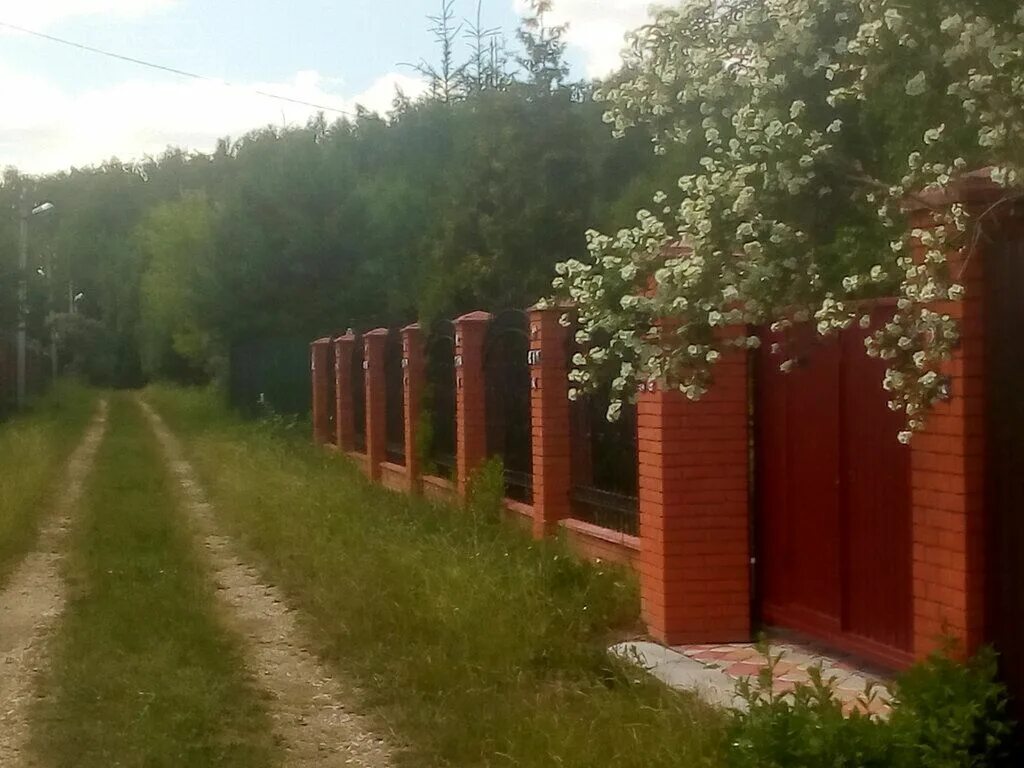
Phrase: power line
(171,70)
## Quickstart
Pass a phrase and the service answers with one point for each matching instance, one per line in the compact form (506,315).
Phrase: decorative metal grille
(394,398)
(604,464)
(439,400)
(605,472)
(507,379)
(358,396)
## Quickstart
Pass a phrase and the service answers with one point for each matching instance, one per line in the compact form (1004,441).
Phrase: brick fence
(694,551)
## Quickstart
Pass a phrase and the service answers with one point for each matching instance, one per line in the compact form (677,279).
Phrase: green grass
(477,646)
(142,674)
(33,448)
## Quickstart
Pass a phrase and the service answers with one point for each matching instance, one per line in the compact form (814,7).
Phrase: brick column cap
(376,332)
(321,342)
(411,328)
(972,189)
(479,316)
(562,305)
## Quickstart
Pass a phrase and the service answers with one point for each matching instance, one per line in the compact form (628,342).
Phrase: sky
(63,107)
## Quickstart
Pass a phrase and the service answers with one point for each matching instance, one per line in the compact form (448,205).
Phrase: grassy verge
(478,646)
(33,448)
(141,673)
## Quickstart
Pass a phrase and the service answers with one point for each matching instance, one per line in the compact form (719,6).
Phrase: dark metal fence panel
(358,373)
(394,399)
(507,380)
(439,400)
(605,481)
(332,395)
(270,374)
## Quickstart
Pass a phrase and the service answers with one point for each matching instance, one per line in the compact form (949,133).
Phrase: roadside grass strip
(475,645)
(142,672)
(33,449)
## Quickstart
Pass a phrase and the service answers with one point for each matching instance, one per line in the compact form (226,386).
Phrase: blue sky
(64,107)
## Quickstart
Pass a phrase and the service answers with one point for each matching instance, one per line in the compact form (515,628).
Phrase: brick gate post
(948,455)
(319,354)
(550,420)
(344,411)
(694,509)
(412,385)
(376,400)
(470,418)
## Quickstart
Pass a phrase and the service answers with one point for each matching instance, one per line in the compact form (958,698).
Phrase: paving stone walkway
(855,686)
(712,671)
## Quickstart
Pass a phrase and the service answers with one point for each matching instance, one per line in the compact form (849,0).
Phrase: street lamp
(26,213)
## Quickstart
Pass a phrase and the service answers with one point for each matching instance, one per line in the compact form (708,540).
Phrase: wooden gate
(833,522)
(1004,268)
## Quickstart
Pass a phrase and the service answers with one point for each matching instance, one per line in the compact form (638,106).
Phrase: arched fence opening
(394,410)
(507,384)
(439,401)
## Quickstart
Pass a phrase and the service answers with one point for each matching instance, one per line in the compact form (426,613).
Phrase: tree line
(464,198)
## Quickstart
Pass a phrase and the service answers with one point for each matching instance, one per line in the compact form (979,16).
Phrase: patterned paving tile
(742,660)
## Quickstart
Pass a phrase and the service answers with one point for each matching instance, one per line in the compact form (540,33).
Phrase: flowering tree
(811,124)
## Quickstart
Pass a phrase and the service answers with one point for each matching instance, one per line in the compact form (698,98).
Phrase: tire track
(34,599)
(311,714)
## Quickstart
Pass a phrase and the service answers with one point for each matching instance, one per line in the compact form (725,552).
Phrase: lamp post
(25,213)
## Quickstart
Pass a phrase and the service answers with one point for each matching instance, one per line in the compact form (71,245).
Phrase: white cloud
(598,28)
(38,14)
(44,128)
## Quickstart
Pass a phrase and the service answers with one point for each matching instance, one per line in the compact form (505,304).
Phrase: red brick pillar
(948,455)
(470,419)
(550,419)
(344,425)
(376,400)
(694,510)
(412,384)
(320,353)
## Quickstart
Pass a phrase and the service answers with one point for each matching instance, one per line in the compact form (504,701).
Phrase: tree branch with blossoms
(810,124)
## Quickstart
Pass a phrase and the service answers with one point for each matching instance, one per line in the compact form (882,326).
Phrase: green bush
(944,714)
(947,714)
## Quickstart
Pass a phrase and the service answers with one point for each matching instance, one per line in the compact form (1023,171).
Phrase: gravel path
(311,713)
(33,601)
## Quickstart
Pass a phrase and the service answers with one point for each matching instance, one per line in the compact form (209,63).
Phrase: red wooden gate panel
(833,490)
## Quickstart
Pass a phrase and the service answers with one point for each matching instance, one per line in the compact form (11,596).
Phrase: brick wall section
(470,397)
(694,518)
(320,355)
(948,461)
(344,426)
(412,383)
(550,420)
(376,400)
(601,544)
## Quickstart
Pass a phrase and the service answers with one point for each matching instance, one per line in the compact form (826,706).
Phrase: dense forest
(464,198)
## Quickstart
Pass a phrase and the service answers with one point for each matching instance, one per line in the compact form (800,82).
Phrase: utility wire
(171,70)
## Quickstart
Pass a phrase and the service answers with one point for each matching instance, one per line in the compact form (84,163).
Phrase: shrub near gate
(945,714)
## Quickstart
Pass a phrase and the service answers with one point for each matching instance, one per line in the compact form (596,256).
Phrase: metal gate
(439,399)
(1004,267)
(394,399)
(833,520)
(507,379)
